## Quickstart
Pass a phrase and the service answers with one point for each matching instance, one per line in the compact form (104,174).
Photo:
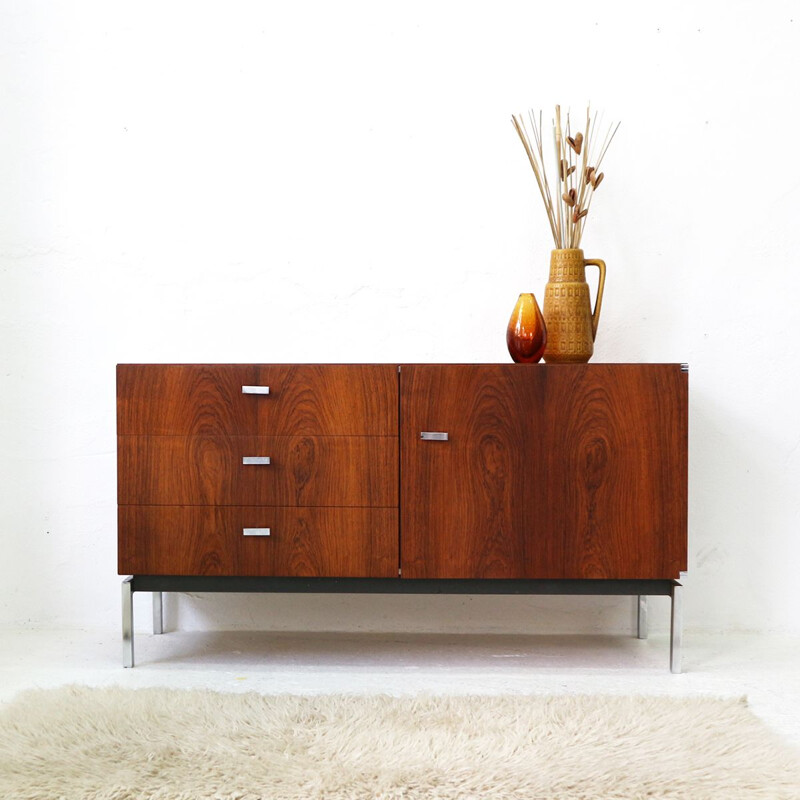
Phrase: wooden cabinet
(404,478)
(560,472)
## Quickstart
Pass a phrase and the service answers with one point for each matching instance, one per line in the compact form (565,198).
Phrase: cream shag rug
(79,743)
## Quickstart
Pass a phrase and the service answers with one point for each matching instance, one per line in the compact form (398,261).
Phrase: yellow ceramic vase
(571,323)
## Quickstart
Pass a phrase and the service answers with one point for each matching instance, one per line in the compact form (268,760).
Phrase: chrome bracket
(127,619)
(158,612)
(127,622)
(641,617)
(676,626)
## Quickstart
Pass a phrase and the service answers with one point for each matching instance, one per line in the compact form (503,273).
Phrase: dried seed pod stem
(582,181)
(540,178)
(607,144)
(559,141)
(569,169)
(537,135)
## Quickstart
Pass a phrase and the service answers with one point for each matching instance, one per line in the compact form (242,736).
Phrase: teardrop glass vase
(526,335)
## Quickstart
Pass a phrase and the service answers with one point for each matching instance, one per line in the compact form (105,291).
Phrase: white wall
(310,181)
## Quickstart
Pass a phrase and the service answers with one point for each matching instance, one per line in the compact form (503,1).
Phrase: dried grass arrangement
(578,157)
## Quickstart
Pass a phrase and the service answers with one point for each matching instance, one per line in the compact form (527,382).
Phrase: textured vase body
(526,335)
(571,323)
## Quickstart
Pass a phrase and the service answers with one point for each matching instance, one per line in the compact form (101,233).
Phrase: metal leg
(158,612)
(642,617)
(676,629)
(127,622)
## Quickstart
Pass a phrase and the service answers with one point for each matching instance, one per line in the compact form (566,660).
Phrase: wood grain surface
(304,542)
(198,399)
(567,471)
(303,470)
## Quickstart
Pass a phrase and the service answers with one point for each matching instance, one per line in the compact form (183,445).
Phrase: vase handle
(598,302)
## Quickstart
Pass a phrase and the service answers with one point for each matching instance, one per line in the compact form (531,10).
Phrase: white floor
(764,668)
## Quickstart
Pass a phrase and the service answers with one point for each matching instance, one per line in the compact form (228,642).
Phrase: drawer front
(302,470)
(196,399)
(307,542)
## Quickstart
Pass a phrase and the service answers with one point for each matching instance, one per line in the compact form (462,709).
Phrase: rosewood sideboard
(418,478)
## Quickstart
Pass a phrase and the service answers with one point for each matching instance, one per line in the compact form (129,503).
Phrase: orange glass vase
(526,335)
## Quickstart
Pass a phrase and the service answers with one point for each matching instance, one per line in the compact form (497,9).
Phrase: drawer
(308,399)
(302,470)
(302,542)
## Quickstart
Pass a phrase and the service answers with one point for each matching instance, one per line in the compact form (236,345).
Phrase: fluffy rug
(164,744)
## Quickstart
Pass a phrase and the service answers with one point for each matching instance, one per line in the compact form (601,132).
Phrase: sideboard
(411,478)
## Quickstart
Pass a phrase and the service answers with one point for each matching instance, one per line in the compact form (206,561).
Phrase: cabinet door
(470,505)
(568,471)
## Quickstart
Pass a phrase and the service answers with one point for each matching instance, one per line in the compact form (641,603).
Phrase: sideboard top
(683,366)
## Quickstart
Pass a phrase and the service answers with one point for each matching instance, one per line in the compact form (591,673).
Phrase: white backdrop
(327,182)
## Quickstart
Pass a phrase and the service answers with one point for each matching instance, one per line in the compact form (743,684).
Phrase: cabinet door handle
(255,531)
(255,460)
(255,389)
(434,436)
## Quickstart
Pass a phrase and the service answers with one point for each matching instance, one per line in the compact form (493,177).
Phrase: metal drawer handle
(255,531)
(434,436)
(255,389)
(255,459)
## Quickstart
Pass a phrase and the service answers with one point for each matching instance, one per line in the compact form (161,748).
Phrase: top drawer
(189,399)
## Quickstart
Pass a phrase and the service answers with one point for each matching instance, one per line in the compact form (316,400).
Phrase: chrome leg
(676,629)
(127,623)
(158,612)
(642,617)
